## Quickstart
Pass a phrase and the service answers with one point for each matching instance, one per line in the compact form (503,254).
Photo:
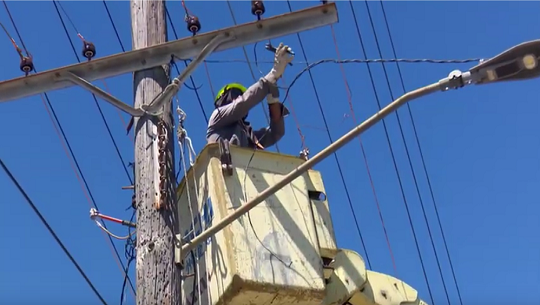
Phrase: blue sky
(480,146)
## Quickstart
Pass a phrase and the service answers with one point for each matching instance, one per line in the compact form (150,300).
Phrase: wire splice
(193,24)
(257,9)
(89,49)
(27,63)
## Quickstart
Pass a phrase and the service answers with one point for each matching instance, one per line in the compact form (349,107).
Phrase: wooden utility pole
(158,278)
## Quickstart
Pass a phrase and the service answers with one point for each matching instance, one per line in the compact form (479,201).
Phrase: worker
(233,102)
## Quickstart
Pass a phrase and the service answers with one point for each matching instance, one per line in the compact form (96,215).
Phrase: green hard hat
(229,87)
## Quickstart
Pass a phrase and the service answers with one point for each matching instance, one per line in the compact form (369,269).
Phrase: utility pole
(158,278)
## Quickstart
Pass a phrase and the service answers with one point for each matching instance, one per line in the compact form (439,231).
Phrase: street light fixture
(517,63)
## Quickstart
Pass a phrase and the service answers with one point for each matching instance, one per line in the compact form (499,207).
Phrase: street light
(517,63)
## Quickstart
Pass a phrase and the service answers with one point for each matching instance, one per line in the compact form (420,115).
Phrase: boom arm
(350,283)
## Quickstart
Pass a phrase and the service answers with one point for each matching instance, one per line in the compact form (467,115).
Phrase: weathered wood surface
(158,278)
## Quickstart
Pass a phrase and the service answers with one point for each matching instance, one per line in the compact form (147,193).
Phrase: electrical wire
(130,243)
(422,159)
(388,138)
(190,203)
(366,163)
(182,137)
(195,89)
(323,61)
(130,257)
(297,122)
(415,180)
(66,145)
(50,229)
(293,112)
(103,225)
(57,4)
(368,61)
(113,25)
(315,91)
(105,84)
(250,67)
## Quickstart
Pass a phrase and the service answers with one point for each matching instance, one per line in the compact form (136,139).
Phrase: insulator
(257,9)
(134,201)
(193,24)
(89,50)
(324,1)
(27,64)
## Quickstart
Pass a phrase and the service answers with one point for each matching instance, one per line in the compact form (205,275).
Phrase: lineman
(233,102)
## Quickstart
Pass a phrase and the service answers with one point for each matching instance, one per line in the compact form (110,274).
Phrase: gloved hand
(281,60)
(271,100)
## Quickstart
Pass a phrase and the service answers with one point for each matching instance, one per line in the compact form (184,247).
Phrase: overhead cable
(69,151)
(342,177)
(423,164)
(50,229)
(404,197)
(362,150)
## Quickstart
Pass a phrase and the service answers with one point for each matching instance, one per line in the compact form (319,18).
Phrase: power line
(422,159)
(362,150)
(110,135)
(249,66)
(331,141)
(56,120)
(195,89)
(409,162)
(50,229)
(113,25)
(388,137)
(186,64)
(93,95)
(368,61)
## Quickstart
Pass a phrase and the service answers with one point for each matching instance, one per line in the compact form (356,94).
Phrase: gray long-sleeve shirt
(227,121)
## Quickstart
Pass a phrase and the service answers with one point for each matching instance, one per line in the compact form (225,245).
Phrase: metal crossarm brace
(83,73)
(104,95)
(167,94)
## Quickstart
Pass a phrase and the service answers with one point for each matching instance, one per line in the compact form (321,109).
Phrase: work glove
(271,100)
(281,60)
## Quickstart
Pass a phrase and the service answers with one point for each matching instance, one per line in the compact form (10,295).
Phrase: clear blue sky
(480,144)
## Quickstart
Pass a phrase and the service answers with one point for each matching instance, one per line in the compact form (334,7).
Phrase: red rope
(349,98)
(295,117)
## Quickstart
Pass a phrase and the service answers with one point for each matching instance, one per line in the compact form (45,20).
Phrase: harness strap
(251,135)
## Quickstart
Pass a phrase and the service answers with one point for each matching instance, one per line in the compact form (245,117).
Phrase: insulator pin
(257,9)
(89,50)
(27,64)
(193,24)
